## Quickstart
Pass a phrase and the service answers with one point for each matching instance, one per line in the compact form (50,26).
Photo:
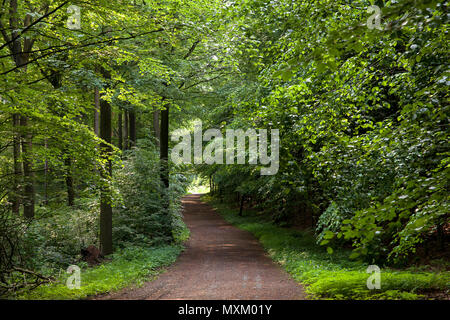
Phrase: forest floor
(220,262)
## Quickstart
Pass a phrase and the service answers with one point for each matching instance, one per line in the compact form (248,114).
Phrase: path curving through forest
(220,262)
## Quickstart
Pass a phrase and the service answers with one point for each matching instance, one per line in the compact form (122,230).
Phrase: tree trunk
(242,205)
(15,199)
(29,192)
(210,184)
(96,113)
(105,200)
(20,55)
(69,182)
(132,120)
(120,130)
(125,130)
(164,166)
(46,176)
(164,146)
(156,129)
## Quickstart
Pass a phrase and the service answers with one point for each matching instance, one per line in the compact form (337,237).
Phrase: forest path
(220,262)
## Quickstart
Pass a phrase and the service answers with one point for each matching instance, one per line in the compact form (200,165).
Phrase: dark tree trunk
(242,205)
(132,120)
(20,48)
(164,165)
(15,199)
(164,146)
(125,130)
(46,176)
(105,200)
(156,129)
(96,112)
(120,129)
(210,184)
(29,192)
(69,182)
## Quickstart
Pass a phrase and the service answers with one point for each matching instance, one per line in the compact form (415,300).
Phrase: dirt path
(220,262)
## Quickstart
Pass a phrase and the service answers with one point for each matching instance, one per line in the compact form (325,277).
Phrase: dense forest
(90,92)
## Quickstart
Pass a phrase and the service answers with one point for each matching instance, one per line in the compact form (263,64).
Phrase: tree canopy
(91,90)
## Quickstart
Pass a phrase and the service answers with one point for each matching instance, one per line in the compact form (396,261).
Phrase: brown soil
(219,262)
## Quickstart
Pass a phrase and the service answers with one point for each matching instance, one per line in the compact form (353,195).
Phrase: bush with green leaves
(55,237)
(142,215)
(331,220)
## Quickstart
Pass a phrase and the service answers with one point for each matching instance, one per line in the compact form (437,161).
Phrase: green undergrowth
(331,276)
(128,266)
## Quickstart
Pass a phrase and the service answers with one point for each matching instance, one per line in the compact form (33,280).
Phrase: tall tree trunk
(125,130)
(164,166)
(15,199)
(20,53)
(210,184)
(69,182)
(105,199)
(132,120)
(96,112)
(29,192)
(120,129)
(164,146)
(46,176)
(242,205)
(156,130)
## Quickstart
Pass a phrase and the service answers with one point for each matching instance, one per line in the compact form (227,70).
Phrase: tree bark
(164,166)
(69,182)
(105,200)
(96,113)
(210,184)
(120,130)
(156,129)
(15,199)
(29,192)
(46,176)
(20,52)
(132,120)
(242,205)
(125,130)
(164,146)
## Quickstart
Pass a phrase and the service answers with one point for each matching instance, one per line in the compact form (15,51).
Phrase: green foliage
(129,266)
(363,117)
(362,114)
(55,238)
(331,276)
(330,221)
(141,217)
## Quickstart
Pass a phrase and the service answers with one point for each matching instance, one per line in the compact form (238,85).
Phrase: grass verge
(129,266)
(332,276)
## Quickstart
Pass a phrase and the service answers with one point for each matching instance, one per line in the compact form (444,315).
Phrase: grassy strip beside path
(129,266)
(331,276)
